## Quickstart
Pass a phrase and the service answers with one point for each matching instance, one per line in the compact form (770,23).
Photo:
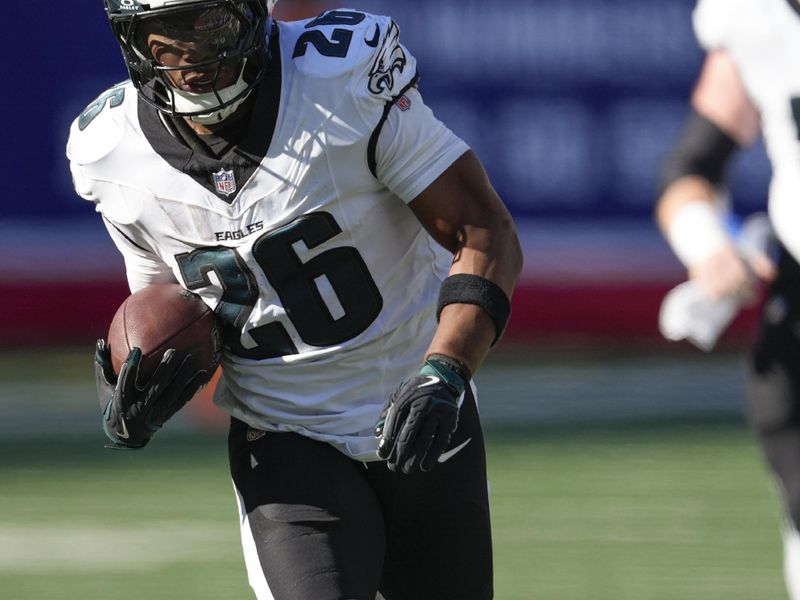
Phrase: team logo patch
(403,103)
(224,181)
(254,434)
(390,60)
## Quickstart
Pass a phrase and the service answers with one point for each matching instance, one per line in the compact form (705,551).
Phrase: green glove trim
(451,371)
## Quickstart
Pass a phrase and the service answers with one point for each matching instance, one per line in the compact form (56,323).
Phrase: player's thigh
(773,389)
(438,528)
(311,525)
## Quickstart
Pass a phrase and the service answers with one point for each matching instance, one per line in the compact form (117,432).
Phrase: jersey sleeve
(383,69)
(414,147)
(93,139)
(710,21)
(718,23)
(362,48)
(142,267)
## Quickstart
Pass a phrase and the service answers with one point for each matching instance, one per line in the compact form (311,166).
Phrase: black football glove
(132,414)
(414,427)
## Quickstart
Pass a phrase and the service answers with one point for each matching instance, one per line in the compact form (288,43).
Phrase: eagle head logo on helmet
(193,58)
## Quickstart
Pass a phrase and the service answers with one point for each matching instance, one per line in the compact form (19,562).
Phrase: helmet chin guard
(168,45)
(219,105)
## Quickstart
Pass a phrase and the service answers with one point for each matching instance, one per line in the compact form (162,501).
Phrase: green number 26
(296,283)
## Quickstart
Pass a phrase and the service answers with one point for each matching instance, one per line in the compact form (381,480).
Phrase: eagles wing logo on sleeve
(391,58)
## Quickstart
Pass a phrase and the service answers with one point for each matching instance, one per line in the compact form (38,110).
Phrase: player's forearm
(467,331)
(694,222)
(463,213)
(678,194)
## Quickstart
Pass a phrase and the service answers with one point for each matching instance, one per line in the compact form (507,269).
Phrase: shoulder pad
(718,23)
(99,128)
(363,45)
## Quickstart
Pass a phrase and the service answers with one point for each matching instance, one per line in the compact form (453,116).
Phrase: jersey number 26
(296,283)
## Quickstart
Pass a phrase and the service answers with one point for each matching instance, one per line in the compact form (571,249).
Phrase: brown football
(160,317)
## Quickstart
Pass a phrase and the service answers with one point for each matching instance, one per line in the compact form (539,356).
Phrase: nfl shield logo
(224,182)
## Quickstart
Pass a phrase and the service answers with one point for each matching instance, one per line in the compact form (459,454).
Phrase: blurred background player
(291,175)
(750,83)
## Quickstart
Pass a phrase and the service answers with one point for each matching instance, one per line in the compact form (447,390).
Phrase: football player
(750,83)
(360,261)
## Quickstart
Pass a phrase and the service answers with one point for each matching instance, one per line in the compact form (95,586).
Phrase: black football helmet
(193,58)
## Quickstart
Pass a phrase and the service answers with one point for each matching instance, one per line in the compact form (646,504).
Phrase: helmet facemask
(195,59)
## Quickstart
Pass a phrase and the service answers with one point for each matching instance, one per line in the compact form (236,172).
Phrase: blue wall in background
(60,55)
(570,103)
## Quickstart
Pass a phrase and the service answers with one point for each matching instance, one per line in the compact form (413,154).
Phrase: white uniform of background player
(750,84)
(762,38)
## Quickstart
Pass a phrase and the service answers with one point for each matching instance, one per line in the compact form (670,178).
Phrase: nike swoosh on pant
(453,451)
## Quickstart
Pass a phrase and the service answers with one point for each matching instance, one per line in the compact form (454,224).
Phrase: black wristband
(474,289)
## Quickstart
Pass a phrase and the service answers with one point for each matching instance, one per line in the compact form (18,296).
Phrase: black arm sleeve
(702,149)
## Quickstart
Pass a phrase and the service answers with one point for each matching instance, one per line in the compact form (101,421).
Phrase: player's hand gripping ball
(163,346)
(416,423)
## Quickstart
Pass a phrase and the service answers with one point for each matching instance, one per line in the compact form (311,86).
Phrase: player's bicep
(142,266)
(461,210)
(720,96)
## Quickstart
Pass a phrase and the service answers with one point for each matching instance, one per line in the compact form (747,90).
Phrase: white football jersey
(763,39)
(323,277)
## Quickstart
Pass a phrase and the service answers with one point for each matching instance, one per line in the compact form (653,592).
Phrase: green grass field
(641,514)
(594,510)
